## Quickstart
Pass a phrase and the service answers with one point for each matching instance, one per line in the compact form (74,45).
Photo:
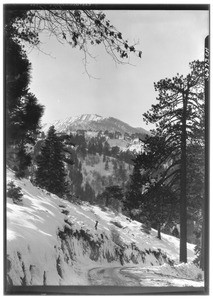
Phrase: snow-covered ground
(135,145)
(51,241)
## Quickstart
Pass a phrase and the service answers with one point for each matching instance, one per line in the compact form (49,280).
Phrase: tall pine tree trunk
(183,200)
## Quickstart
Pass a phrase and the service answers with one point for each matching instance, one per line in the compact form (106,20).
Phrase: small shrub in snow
(65,211)
(14,192)
(116,224)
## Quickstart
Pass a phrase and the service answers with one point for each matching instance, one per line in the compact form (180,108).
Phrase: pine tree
(151,200)
(178,118)
(14,192)
(51,173)
(88,194)
(133,195)
(22,109)
(113,196)
(23,160)
(159,206)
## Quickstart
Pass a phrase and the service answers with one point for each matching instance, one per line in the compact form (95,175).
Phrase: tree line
(99,145)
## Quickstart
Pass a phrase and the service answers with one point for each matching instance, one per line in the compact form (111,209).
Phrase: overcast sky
(169,40)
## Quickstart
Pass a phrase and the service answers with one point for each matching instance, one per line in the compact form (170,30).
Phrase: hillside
(103,153)
(100,172)
(51,241)
(101,159)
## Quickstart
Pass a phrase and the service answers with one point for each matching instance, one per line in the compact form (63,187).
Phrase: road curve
(111,276)
(132,276)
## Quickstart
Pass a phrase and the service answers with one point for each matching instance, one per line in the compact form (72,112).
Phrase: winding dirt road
(111,276)
(128,276)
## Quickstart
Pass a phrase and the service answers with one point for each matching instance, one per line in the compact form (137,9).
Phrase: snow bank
(51,241)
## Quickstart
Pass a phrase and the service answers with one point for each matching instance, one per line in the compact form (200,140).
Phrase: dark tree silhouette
(112,196)
(178,117)
(51,173)
(22,109)
(133,195)
(14,192)
(159,206)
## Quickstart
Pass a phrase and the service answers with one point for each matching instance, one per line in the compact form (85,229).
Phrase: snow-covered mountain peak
(84,118)
(94,122)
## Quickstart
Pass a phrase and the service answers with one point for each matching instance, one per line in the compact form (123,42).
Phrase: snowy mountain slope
(51,241)
(93,122)
(95,173)
(135,145)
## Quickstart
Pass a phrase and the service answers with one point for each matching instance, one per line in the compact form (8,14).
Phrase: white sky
(169,41)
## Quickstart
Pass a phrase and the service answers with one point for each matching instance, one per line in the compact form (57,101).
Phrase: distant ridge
(94,122)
